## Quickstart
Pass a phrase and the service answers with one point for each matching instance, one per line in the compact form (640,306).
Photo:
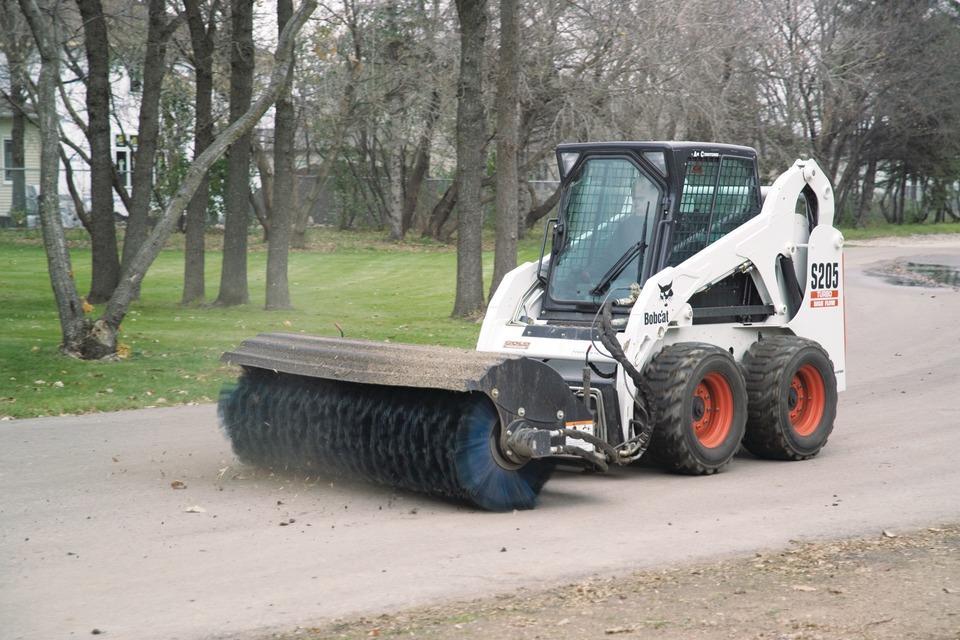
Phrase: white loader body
(662,314)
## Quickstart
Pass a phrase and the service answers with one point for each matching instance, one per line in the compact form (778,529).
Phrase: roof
(7,112)
(672,145)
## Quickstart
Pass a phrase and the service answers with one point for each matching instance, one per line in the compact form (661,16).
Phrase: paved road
(93,536)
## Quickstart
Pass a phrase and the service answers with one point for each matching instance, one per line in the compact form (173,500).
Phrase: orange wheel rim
(712,410)
(806,400)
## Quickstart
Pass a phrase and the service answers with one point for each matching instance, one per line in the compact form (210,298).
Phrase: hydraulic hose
(608,337)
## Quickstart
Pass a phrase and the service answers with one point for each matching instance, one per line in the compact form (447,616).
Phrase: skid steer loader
(681,311)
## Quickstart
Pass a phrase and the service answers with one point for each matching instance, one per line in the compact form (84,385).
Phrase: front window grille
(609,206)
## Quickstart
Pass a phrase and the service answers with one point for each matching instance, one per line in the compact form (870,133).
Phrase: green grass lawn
(883,229)
(373,289)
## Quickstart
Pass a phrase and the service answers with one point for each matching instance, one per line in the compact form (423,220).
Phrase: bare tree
(472,16)
(73,326)
(342,118)
(421,161)
(202,35)
(233,274)
(159,30)
(278,248)
(507,182)
(98,339)
(106,262)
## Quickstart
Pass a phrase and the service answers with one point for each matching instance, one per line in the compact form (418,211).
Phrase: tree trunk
(507,180)
(154,69)
(472,16)
(103,239)
(201,41)
(16,99)
(421,162)
(395,200)
(902,196)
(284,183)
(78,206)
(394,130)
(233,276)
(73,326)
(866,197)
(263,206)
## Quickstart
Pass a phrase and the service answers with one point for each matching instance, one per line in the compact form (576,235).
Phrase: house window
(123,167)
(8,166)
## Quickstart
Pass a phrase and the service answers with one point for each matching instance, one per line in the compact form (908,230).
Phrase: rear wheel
(701,405)
(792,393)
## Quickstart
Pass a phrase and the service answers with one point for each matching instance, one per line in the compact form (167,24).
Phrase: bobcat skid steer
(681,311)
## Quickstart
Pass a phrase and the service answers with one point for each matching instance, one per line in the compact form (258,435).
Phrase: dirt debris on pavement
(885,587)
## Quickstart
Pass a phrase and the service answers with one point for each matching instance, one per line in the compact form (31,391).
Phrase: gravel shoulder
(889,586)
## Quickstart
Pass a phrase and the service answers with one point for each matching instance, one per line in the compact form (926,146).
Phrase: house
(30,170)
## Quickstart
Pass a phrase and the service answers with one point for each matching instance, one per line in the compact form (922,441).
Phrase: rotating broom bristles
(425,440)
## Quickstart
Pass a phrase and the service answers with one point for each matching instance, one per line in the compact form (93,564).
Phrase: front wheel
(792,394)
(701,407)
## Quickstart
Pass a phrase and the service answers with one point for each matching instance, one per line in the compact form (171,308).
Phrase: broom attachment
(425,419)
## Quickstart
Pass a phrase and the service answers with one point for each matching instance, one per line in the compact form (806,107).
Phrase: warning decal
(825,298)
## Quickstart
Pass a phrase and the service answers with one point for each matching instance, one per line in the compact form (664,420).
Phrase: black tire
(675,375)
(778,427)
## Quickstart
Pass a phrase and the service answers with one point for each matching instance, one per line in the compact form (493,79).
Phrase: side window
(719,194)
(8,166)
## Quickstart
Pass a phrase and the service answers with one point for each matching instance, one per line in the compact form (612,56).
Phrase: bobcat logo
(666,291)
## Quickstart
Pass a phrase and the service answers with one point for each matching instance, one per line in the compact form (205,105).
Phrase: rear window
(719,194)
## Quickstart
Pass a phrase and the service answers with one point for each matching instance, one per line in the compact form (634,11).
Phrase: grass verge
(373,289)
(881,230)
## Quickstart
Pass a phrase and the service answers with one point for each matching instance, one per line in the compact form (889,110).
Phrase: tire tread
(762,367)
(667,375)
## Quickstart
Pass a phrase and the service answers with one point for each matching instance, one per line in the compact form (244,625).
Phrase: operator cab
(630,209)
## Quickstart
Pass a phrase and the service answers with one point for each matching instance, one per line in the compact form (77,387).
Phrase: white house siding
(31,143)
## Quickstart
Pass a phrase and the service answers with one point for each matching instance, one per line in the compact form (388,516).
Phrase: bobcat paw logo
(666,291)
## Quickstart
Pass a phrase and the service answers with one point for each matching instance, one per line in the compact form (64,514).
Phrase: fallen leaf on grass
(195,509)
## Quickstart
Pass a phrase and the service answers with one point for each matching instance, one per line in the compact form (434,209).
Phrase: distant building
(30,170)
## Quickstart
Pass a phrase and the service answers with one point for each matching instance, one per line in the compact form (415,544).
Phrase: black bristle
(425,440)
